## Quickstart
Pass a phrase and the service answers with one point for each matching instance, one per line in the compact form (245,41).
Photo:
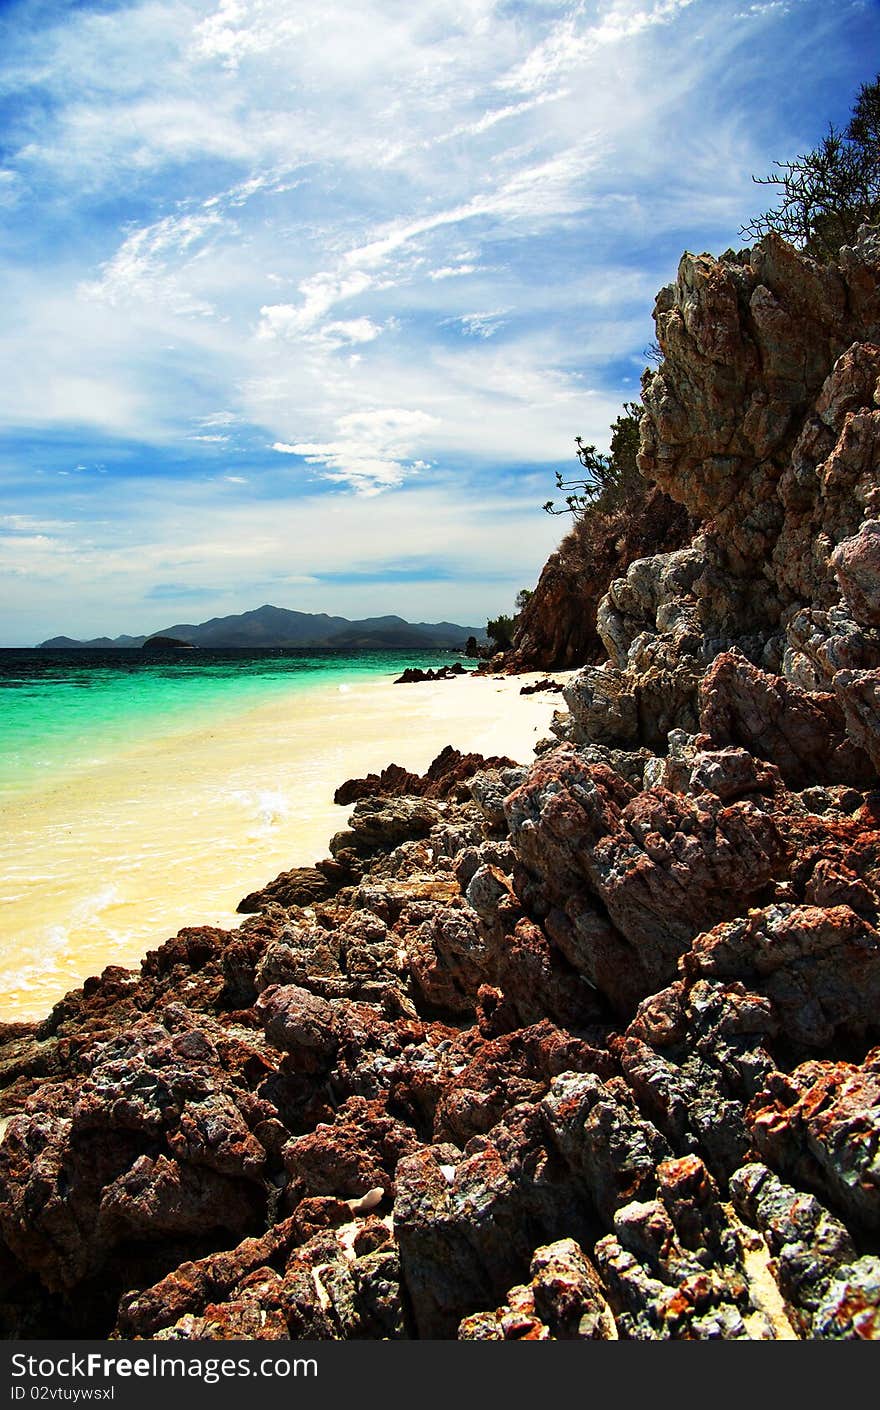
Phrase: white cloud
(536,194)
(352,330)
(264,221)
(320,293)
(451,271)
(297,324)
(152,263)
(10,188)
(491,118)
(237,30)
(371,450)
(570,44)
(30,524)
(481,325)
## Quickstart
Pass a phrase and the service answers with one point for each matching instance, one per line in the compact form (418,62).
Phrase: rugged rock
(819,967)
(557,628)
(675,1268)
(537,687)
(564,1301)
(859,696)
(302,886)
(856,564)
(661,865)
(803,733)
(818,1125)
(413,674)
(447,776)
(579,1048)
(808,1245)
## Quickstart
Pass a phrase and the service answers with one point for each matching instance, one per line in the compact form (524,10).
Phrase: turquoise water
(139,793)
(61,711)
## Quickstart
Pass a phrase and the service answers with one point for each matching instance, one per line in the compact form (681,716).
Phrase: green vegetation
(612,480)
(502,629)
(826,194)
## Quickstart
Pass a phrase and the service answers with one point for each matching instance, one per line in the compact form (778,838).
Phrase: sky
(305,301)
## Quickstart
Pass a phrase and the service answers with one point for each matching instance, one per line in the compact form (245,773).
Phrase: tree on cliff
(502,629)
(828,193)
(611,480)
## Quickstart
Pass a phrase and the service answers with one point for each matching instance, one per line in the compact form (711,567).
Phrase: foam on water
(267,808)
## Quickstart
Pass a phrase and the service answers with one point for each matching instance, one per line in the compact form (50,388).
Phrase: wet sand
(99,867)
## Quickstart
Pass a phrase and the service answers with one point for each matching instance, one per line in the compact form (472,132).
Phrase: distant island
(276,626)
(167,643)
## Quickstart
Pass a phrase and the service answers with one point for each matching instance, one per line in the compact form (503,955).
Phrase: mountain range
(277,626)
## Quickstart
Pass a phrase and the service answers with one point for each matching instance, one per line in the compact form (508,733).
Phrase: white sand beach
(99,867)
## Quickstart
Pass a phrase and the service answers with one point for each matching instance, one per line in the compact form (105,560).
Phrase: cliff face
(583,1049)
(739,417)
(763,423)
(557,628)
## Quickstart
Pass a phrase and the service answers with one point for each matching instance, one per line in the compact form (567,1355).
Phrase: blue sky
(305,301)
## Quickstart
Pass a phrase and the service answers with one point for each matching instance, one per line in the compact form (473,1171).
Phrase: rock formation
(585,1049)
(557,627)
(412,674)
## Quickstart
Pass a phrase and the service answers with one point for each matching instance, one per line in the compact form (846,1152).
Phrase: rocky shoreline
(585,1048)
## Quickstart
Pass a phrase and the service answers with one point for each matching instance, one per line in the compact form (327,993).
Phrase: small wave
(90,907)
(32,975)
(266,807)
(58,942)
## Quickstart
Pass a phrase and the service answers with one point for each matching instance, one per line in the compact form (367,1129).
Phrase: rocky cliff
(557,627)
(580,1049)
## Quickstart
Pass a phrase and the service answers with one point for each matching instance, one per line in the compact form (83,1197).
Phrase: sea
(140,792)
(71,709)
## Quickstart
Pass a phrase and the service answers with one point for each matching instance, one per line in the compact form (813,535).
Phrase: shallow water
(140,795)
(74,710)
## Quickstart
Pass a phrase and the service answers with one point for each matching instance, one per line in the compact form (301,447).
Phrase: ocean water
(73,710)
(140,794)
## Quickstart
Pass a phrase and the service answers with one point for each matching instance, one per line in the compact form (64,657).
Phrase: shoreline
(106,863)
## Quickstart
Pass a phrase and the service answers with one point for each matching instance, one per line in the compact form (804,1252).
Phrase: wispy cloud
(409,247)
(481,325)
(571,42)
(451,271)
(372,450)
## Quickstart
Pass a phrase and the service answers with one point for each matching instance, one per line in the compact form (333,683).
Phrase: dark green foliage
(864,126)
(611,480)
(500,630)
(826,194)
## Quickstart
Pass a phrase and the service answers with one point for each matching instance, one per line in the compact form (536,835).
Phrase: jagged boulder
(818,1125)
(662,865)
(804,733)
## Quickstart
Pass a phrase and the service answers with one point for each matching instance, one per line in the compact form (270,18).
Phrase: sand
(103,866)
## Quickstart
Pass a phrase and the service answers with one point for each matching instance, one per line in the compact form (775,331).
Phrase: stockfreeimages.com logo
(210,1370)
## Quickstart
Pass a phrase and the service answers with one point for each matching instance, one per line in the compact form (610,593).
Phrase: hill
(269,626)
